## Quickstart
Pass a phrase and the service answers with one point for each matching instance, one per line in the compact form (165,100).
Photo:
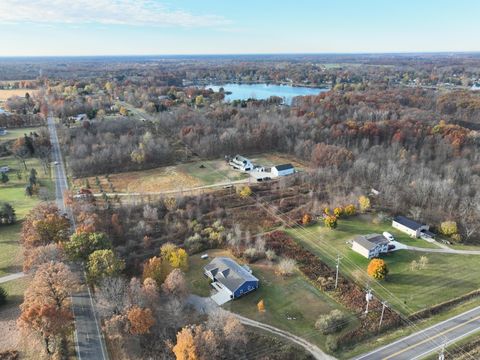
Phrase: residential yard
(179,177)
(291,304)
(10,251)
(13,134)
(445,277)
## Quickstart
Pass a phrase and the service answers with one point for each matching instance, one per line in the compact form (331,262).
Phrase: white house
(283,170)
(370,245)
(410,227)
(241,163)
(3,131)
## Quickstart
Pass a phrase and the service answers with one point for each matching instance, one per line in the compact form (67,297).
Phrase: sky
(160,27)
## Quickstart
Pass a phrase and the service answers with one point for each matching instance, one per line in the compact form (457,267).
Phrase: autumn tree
(350,210)
(155,268)
(448,228)
(34,257)
(185,348)
(43,225)
(175,284)
(338,211)
(330,221)
(245,192)
(377,268)
(176,257)
(81,245)
(140,320)
(46,307)
(103,263)
(306,219)
(364,203)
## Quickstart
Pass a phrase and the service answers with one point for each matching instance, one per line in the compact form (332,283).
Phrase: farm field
(445,277)
(291,303)
(182,176)
(6,94)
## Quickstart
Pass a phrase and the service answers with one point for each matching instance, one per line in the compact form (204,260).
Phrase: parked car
(388,236)
(4,169)
(56,162)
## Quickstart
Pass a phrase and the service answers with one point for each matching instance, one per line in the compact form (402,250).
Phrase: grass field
(6,94)
(10,251)
(17,132)
(292,303)
(446,276)
(182,176)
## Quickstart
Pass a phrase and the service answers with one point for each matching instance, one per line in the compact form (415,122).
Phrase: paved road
(88,338)
(422,343)
(10,277)
(207,305)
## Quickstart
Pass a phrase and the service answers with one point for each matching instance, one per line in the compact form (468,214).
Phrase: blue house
(229,279)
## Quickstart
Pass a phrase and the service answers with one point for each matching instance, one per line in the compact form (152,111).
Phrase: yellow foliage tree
(261,306)
(185,348)
(306,219)
(364,203)
(245,192)
(350,210)
(448,228)
(338,211)
(176,257)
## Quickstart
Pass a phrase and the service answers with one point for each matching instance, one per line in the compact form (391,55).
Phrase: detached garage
(283,170)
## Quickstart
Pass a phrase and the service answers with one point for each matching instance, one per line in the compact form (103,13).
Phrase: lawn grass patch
(446,276)
(10,249)
(13,134)
(292,303)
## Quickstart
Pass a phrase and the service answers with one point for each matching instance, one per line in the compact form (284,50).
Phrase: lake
(264,91)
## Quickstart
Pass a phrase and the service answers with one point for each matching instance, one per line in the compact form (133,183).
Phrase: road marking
(431,338)
(417,333)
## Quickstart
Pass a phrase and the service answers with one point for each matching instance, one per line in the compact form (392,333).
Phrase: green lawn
(16,133)
(15,290)
(446,276)
(14,193)
(292,303)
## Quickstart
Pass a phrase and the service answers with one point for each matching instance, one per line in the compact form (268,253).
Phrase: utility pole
(384,305)
(441,356)
(338,265)
(368,297)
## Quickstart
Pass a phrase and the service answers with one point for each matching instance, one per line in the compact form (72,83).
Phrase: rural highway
(424,342)
(89,342)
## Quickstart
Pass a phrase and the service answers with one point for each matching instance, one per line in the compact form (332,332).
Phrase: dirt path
(207,305)
(10,277)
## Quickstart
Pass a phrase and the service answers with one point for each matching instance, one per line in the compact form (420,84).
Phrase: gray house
(370,245)
(230,279)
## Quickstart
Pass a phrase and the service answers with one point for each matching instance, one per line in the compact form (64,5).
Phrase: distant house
(370,245)
(4,169)
(81,117)
(3,131)
(283,170)
(230,279)
(241,163)
(411,227)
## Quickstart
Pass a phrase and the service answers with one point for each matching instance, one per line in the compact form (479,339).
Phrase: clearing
(15,133)
(445,277)
(6,94)
(179,177)
(292,303)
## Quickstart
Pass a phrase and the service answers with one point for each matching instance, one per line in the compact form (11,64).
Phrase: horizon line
(440,52)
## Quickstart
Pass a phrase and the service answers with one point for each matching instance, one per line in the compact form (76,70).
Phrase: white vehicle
(388,236)
(56,162)
(4,169)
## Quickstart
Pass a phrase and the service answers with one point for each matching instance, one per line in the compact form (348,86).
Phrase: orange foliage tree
(377,268)
(141,320)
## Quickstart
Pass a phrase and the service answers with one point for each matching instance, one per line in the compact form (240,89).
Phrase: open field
(17,132)
(292,303)
(182,176)
(6,94)
(446,276)
(10,250)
